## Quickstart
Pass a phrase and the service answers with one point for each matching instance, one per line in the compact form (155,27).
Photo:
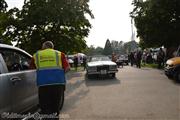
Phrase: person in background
(51,66)
(144,55)
(84,62)
(160,58)
(75,62)
(138,58)
(132,59)
(114,58)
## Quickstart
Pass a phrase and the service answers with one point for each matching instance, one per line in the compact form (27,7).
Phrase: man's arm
(65,63)
(32,64)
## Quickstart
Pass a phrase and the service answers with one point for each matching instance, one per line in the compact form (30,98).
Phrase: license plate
(103,72)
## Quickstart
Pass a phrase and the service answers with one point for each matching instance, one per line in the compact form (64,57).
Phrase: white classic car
(101,65)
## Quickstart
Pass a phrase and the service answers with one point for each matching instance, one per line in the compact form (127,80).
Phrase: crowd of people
(140,57)
(135,58)
(147,57)
(76,61)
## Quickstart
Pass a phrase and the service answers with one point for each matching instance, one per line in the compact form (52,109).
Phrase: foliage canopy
(62,21)
(157,22)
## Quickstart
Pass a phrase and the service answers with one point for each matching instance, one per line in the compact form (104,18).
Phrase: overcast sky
(111,20)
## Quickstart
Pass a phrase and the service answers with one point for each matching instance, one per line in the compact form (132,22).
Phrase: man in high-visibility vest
(51,66)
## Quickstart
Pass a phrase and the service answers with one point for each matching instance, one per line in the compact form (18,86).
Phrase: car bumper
(100,73)
(169,71)
(119,62)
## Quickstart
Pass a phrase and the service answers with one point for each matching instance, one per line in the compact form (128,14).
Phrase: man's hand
(67,70)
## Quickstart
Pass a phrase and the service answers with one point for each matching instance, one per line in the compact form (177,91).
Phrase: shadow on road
(75,92)
(71,101)
(71,75)
(175,82)
(101,82)
(70,87)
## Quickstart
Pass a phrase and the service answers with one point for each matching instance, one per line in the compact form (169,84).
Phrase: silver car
(101,66)
(18,91)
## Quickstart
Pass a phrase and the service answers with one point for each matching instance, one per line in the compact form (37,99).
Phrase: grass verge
(152,65)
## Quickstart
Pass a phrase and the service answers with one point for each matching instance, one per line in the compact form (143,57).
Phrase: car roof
(13,48)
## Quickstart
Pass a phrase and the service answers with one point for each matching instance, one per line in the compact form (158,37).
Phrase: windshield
(104,58)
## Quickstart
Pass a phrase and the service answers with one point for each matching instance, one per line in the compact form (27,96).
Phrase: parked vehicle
(18,91)
(126,60)
(70,60)
(122,59)
(101,65)
(172,69)
(120,62)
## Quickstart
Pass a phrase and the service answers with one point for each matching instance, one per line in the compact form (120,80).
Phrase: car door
(5,89)
(24,91)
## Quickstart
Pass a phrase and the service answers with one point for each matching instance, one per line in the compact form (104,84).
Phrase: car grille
(104,67)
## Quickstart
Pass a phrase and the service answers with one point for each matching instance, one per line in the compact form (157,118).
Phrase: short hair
(48,44)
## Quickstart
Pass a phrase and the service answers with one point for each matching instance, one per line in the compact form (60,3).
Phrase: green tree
(90,51)
(130,46)
(4,18)
(94,51)
(3,6)
(107,49)
(157,22)
(121,47)
(99,51)
(61,21)
(115,46)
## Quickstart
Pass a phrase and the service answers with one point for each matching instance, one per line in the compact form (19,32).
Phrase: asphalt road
(135,94)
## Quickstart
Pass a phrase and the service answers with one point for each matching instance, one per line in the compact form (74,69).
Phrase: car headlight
(169,65)
(113,67)
(92,68)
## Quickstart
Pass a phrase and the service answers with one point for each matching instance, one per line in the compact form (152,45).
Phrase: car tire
(61,100)
(177,76)
(169,76)
(89,76)
(112,75)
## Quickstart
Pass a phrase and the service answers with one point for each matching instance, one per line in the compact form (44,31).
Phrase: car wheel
(89,76)
(177,76)
(169,76)
(112,75)
(61,100)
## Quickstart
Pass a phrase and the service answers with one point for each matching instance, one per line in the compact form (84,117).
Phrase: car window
(105,59)
(15,61)
(93,59)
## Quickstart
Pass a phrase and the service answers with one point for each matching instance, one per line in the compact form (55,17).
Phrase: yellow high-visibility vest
(48,58)
(49,67)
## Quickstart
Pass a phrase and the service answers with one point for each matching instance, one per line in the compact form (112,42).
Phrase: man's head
(47,44)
